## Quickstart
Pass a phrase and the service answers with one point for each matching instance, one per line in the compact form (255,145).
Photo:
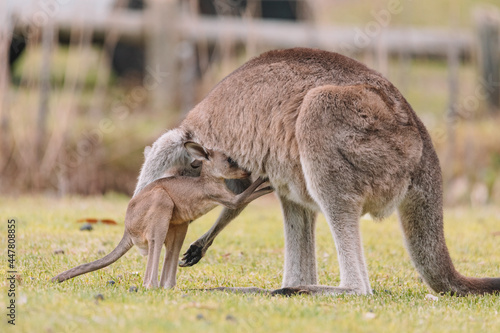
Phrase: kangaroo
(332,136)
(161,212)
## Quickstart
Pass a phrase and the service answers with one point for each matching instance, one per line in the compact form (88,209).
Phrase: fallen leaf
(94,220)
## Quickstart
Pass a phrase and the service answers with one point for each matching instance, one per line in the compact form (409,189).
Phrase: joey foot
(192,256)
(257,194)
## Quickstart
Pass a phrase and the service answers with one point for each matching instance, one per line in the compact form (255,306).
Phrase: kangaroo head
(215,163)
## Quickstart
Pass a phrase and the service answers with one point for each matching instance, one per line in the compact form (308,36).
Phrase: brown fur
(159,215)
(333,136)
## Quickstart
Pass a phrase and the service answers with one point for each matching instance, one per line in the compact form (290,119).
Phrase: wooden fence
(164,27)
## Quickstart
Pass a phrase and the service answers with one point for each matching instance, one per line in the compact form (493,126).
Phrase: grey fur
(147,150)
(167,157)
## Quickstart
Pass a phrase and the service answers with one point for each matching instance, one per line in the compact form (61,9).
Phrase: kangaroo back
(122,248)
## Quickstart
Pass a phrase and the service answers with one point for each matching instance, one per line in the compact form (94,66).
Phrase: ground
(248,253)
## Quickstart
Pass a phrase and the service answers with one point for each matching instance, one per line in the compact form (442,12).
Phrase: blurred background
(86,84)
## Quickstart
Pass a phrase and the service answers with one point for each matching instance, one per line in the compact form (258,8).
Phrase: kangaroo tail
(421,216)
(122,248)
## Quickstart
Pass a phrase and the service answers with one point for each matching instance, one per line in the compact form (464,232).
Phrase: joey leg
(155,244)
(151,275)
(173,243)
(257,194)
(149,266)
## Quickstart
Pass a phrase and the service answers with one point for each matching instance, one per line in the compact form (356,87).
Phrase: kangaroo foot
(290,291)
(315,290)
(241,290)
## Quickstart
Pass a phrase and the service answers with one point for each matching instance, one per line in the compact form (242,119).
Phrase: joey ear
(196,151)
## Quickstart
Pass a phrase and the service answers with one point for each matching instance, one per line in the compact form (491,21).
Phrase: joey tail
(122,248)
(421,217)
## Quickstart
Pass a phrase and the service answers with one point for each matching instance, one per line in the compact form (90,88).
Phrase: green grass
(424,13)
(248,253)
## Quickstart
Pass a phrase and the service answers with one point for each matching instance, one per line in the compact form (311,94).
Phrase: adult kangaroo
(334,136)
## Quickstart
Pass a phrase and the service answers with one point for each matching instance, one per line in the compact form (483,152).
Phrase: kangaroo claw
(192,256)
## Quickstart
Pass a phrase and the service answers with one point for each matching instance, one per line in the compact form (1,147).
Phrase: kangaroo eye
(230,161)
(196,164)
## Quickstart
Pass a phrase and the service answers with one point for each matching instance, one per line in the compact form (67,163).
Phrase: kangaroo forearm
(225,217)
(198,248)
(233,208)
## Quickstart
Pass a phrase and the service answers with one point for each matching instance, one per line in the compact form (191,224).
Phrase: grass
(248,253)
(424,13)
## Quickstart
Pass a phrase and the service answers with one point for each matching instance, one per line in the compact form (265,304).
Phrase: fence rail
(133,26)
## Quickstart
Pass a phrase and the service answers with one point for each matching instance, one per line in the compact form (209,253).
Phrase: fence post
(187,76)
(161,47)
(43,108)
(5,38)
(488,30)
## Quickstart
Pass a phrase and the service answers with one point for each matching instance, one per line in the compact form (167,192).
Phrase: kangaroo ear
(196,151)
(146,151)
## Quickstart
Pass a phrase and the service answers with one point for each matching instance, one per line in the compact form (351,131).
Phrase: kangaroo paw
(192,256)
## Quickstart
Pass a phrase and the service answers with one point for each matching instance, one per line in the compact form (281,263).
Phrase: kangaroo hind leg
(344,139)
(300,255)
